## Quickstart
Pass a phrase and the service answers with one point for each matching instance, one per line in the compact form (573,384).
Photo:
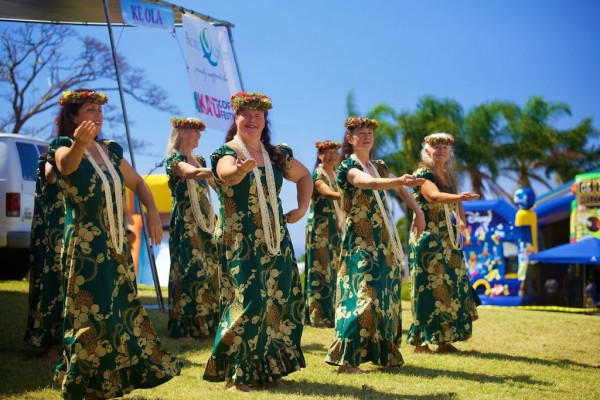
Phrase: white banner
(211,70)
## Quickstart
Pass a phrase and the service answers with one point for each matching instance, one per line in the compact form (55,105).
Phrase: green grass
(514,354)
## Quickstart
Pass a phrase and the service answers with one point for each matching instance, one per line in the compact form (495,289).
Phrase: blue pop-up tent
(585,251)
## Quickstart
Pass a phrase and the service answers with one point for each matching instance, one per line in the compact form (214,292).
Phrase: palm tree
(476,148)
(531,148)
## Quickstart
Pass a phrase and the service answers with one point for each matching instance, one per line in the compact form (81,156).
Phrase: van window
(28,155)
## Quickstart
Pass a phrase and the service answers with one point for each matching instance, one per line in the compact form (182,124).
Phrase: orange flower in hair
(251,100)
(188,123)
(439,138)
(328,144)
(358,122)
(80,97)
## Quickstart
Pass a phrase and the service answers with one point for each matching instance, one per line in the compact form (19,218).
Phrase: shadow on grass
(325,390)
(462,375)
(509,357)
(22,369)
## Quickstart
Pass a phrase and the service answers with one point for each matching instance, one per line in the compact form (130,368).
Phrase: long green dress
(258,339)
(368,325)
(110,345)
(323,242)
(44,319)
(193,276)
(443,301)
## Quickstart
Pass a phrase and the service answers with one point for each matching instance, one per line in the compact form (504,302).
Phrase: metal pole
(129,143)
(237,66)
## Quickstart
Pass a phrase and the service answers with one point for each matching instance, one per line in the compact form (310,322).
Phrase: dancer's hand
(293,216)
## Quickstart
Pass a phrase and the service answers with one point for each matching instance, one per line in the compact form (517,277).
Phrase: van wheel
(15,265)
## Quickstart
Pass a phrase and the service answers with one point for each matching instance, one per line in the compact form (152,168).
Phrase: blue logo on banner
(207,48)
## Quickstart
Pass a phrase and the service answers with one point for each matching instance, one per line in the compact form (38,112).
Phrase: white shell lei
(206,224)
(454,241)
(273,236)
(336,204)
(117,241)
(392,232)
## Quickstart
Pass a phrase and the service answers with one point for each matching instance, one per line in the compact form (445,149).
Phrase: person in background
(443,301)
(110,345)
(323,237)
(193,277)
(258,339)
(44,319)
(368,325)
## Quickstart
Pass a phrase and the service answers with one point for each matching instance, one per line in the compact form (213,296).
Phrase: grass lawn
(514,354)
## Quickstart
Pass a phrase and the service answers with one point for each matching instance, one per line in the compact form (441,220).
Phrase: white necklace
(206,224)
(336,204)
(392,232)
(273,236)
(117,241)
(454,241)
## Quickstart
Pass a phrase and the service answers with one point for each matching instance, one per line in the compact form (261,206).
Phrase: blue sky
(308,55)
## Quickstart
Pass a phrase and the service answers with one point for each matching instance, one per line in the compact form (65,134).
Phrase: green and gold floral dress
(368,324)
(443,301)
(258,339)
(193,276)
(323,242)
(110,345)
(44,320)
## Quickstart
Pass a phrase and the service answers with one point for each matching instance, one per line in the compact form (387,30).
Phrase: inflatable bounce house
(585,208)
(501,237)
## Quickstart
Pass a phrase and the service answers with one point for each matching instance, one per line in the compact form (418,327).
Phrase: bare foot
(186,339)
(275,384)
(423,348)
(347,369)
(238,387)
(447,348)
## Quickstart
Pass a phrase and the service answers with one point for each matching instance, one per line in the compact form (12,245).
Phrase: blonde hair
(449,173)
(173,141)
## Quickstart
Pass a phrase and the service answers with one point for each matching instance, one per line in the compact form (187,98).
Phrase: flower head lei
(439,138)
(79,97)
(188,123)
(251,100)
(328,144)
(358,122)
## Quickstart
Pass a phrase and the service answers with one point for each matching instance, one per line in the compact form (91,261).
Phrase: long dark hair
(65,126)
(265,137)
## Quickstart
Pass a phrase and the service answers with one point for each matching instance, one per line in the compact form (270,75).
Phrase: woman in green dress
(258,339)
(44,320)
(443,301)
(193,276)
(368,325)
(110,345)
(323,238)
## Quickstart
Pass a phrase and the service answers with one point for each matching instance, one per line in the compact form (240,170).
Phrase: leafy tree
(531,148)
(36,67)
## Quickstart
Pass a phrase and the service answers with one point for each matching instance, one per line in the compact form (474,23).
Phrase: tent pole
(129,143)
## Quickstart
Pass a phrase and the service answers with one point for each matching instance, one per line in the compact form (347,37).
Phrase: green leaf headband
(80,97)
(251,100)
(357,122)
(439,138)
(328,144)
(188,123)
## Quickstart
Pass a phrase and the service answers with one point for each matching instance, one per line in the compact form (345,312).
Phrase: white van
(18,164)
